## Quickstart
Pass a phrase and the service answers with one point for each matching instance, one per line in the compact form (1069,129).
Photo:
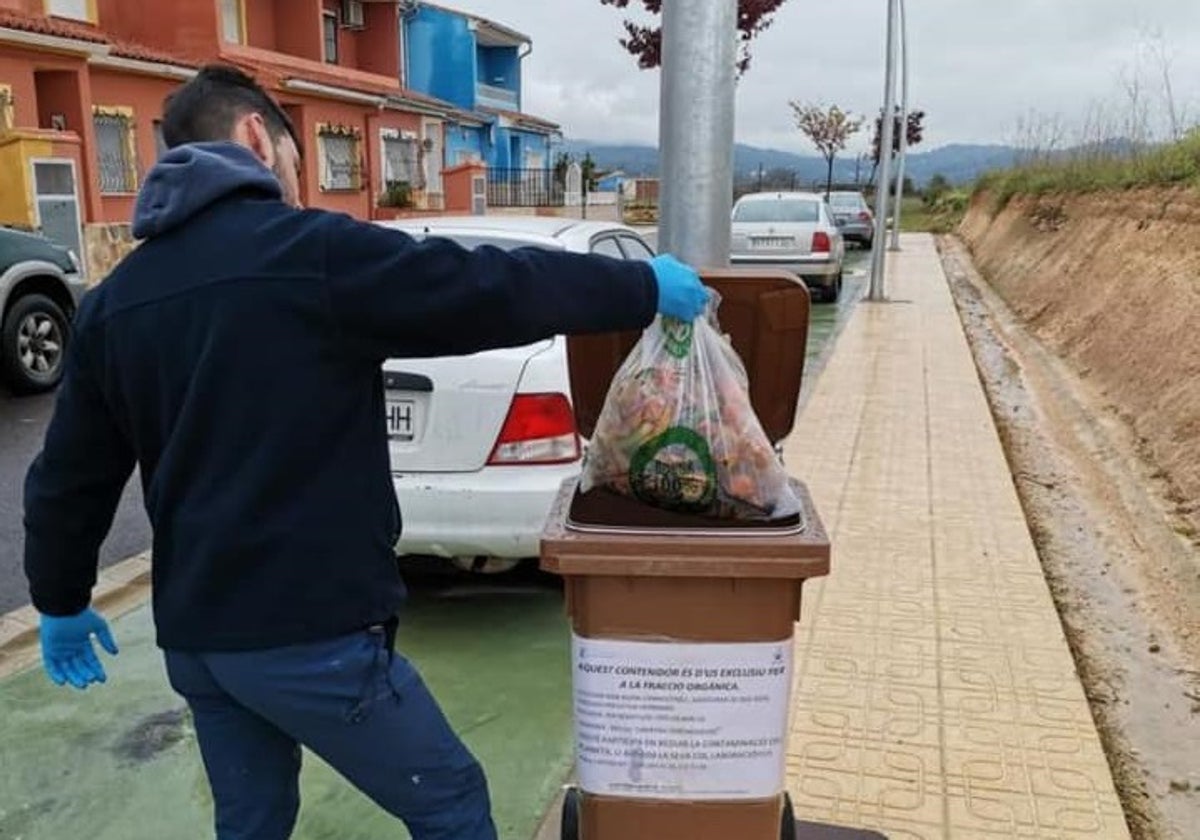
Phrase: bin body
(696,753)
(674,596)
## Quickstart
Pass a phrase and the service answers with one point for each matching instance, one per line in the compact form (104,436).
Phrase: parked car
(481,444)
(40,287)
(853,216)
(794,231)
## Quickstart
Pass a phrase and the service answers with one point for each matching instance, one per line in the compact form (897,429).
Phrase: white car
(795,231)
(481,444)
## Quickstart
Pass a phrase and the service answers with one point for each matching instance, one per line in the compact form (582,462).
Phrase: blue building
(474,64)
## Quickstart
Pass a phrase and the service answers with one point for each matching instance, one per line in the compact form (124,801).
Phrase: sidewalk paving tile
(936,696)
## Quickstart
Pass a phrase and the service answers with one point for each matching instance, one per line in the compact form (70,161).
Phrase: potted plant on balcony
(397,198)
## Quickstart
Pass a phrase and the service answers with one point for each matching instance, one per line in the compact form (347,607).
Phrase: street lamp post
(895,246)
(882,187)
(696,129)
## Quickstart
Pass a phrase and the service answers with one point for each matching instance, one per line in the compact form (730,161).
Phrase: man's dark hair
(206,108)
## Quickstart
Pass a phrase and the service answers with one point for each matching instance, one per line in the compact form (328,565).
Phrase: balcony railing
(497,97)
(524,188)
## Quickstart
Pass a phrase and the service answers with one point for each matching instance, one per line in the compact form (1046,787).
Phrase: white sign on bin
(694,721)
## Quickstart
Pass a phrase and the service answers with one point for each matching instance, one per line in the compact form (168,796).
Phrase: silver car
(853,215)
(794,231)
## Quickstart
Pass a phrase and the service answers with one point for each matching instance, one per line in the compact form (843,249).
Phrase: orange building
(82,84)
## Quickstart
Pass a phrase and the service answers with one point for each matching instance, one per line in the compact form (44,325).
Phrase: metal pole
(696,129)
(895,246)
(882,186)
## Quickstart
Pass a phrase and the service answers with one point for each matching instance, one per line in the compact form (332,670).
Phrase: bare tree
(1162,56)
(1137,118)
(1141,110)
(829,129)
(1098,127)
(1038,136)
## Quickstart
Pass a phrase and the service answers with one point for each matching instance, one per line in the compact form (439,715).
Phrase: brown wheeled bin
(683,626)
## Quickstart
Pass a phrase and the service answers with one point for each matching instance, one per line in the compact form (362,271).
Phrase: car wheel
(787,820)
(829,293)
(572,805)
(34,344)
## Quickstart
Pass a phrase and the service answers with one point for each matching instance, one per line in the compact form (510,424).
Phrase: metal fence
(525,188)
(118,170)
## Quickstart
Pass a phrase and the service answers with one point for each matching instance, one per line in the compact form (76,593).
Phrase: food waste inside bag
(678,432)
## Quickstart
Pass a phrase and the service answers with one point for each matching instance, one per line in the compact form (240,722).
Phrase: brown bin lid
(765,314)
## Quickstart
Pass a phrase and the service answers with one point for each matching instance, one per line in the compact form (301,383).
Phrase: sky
(983,71)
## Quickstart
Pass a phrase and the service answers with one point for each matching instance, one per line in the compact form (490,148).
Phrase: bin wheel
(570,814)
(787,822)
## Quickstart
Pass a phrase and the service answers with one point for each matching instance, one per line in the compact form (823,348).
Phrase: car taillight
(539,429)
(821,243)
(864,216)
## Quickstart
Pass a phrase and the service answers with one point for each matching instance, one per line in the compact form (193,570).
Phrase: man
(235,358)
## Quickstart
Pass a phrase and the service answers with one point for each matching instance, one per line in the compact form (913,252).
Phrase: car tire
(831,292)
(33,344)
(572,806)
(787,819)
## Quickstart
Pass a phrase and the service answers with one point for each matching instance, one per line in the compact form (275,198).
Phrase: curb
(119,589)
(551,826)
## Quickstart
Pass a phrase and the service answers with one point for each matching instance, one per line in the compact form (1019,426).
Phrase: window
(74,9)
(353,14)
(232,22)
(847,201)
(53,178)
(7,119)
(116,150)
(401,160)
(340,159)
(471,241)
(635,248)
(608,247)
(778,210)
(329,21)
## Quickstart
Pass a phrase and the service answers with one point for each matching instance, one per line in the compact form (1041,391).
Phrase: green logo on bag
(675,470)
(678,335)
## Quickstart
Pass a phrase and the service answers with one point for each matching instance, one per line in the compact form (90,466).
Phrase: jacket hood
(189,178)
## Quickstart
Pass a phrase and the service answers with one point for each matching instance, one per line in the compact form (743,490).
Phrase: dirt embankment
(1111,282)
(1090,353)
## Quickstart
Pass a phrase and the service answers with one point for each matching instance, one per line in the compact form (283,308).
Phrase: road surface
(23,422)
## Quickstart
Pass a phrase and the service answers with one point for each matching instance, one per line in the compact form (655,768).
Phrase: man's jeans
(352,701)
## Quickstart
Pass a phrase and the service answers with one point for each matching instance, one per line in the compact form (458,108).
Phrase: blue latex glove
(680,293)
(67,652)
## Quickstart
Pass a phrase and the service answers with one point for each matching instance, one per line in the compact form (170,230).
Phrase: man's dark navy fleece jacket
(235,357)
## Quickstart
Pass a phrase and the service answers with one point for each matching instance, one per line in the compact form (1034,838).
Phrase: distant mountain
(959,163)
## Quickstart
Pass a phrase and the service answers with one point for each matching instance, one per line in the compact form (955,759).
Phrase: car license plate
(401,416)
(772,241)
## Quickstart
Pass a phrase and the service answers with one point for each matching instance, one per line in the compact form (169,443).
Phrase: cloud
(977,65)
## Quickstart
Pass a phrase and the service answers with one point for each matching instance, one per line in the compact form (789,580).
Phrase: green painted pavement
(121,763)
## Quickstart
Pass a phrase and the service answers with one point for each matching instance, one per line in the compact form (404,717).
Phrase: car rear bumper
(858,231)
(495,512)
(823,271)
